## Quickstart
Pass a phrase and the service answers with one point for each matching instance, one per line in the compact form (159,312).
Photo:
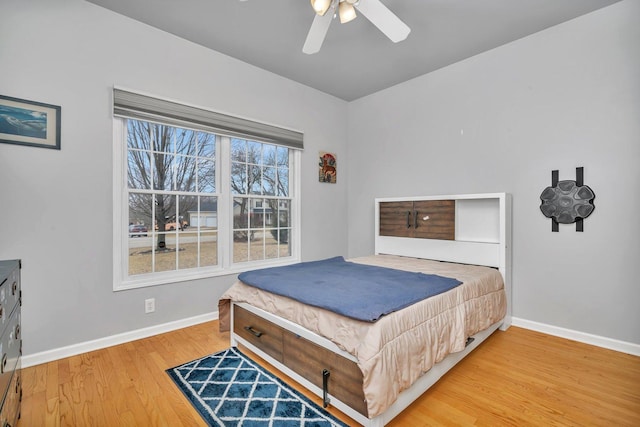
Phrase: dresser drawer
(258,331)
(11,406)
(9,295)
(10,350)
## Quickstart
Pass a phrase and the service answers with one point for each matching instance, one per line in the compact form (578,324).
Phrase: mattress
(400,347)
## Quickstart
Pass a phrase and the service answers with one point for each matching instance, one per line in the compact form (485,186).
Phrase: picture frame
(29,123)
(328,167)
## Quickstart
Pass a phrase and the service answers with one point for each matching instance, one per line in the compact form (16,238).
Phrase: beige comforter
(397,349)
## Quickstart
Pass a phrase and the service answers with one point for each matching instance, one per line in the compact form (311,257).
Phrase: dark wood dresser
(10,342)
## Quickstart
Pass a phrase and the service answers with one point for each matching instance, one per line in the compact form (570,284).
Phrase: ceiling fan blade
(384,19)
(317,32)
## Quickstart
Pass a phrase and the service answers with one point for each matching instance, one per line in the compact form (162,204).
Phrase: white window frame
(225,266)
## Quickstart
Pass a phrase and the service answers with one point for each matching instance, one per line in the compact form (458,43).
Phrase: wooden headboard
(464,228)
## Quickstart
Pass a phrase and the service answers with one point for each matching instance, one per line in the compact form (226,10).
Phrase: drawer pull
(1,311)
(4,363)
(325,388)
(252,331)
(14,288)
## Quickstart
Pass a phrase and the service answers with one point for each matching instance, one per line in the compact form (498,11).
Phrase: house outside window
(195,202)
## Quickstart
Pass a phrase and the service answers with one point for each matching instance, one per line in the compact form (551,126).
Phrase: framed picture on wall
(328,167)
(29,123)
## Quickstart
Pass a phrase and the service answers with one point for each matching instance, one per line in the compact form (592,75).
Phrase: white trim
(583,337)
(100,343)
(117,198)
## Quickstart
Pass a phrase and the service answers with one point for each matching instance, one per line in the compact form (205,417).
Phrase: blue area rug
(229,389)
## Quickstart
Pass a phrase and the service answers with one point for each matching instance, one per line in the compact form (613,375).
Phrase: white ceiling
(356,59)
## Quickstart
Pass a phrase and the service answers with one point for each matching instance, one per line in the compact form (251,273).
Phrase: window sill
(147,280)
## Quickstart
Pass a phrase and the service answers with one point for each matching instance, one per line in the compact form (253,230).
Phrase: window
(261,202)
(171,186)
(197,201)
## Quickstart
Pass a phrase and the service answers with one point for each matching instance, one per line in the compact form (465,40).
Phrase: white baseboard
(100,343)
(599,341)
(75,349)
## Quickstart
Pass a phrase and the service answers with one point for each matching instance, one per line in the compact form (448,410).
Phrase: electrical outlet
(149,305)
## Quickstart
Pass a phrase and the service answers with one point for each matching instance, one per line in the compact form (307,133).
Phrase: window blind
(142,107)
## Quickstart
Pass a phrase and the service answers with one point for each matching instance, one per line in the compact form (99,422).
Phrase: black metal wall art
(566,202)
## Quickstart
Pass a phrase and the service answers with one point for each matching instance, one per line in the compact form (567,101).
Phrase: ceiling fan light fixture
(346,11)
(321,6)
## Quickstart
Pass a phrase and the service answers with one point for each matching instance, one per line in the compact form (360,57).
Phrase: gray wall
(56,206)
(501,121)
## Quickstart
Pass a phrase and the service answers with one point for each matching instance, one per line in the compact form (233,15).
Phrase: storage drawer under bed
(259,332)
(304,357)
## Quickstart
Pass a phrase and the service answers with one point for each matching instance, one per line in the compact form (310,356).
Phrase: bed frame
(479,234)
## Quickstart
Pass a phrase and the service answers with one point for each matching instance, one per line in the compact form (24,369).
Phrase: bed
(371,371)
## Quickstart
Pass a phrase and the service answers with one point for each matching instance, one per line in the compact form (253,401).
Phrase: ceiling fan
(373,10)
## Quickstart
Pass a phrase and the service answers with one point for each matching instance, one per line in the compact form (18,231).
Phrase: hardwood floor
(515,378)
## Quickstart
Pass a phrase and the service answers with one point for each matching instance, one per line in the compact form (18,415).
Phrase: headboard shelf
(442,250)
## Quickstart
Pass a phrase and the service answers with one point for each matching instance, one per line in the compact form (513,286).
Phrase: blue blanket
(362,292)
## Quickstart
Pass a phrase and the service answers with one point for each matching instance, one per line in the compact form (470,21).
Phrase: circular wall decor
(567,202)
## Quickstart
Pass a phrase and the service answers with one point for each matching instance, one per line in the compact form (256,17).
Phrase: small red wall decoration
(328,167)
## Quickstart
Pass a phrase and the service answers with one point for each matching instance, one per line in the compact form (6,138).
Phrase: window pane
(238,178)
(254,152)
(163,171)
(284,213)
(140,256)
(240,213)
(162,138)
(283,156)
(207,219)
(241,233)
(165,212)
(140,233)
(271,243)
(187,205)
(208,249)
(206,145)
(185,141)
(240,249)
(284,245)
(138,135)
(238,150)
(255,179)
(269,181)
(206,175)
(188,250)
(269,154)
(284,231)
(165,253)
(185,173)
(258,213)
(140,210)
(138,169)
(256,247)
(283,182)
